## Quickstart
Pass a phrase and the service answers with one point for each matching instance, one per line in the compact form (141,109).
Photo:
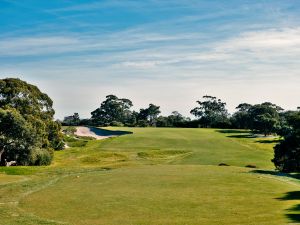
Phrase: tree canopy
(264,117)
(112,110)
(73,120)
(211,112)
(287,152)
(150,114)
(28,133)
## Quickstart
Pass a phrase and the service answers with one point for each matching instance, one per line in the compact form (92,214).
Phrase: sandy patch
(92,132)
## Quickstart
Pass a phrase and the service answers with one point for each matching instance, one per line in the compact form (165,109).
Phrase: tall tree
(26,124)
(73,120)
(153,112)
(211,112)
(113,109)
(175,119)
(241,119)
(149,114)
(287,152)
(264,117)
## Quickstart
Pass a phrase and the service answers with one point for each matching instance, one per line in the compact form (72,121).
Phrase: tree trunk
(1,152)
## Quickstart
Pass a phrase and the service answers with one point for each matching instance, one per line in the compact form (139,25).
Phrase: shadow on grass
(232,131)
(268,141)
(237,133)
(242,136)
(104,132)
(292,195)
(276,173)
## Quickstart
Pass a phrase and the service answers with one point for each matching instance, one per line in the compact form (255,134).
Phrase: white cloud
(273,42)
(172,70)
(35,45)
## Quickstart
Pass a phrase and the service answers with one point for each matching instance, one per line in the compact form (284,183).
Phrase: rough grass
(6,179)
(153,176)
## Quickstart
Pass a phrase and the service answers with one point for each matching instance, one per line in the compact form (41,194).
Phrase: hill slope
(162,176)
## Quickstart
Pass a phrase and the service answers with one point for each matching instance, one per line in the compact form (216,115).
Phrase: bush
(116,124)
(287,154)
(41,157)
(142,123)
(69,130)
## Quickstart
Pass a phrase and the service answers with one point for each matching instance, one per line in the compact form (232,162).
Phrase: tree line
(265,118)
(29,134)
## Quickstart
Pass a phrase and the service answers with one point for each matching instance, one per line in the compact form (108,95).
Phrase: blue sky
(169,53)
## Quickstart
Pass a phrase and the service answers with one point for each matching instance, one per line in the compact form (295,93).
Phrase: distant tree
(131,118)
(244,107)
(264,117)
(241,119)
(162,121)
(28,133)
(175,119)
(149,114)
(284,128)
(211,112)
(85,122)
(112,110)
(287,152)
(153,112)
(73,120)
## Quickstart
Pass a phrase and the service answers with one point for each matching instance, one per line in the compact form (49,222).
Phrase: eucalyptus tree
(287,152)
(73,120)
(111,110)
(241,119)
(211,112)
(264,117)
(149,115)
(28,132)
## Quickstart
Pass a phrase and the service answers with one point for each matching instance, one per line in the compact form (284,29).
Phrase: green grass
(153,176)
(163,195)
(199,146)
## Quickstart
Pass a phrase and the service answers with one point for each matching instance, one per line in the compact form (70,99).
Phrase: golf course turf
(154,176)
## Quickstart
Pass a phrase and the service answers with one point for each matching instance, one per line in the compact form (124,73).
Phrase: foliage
(287,152)
(113,109)
(69,130)
(241,119)
(116,124)
(264,117)
(26,123)
(211,112)
(40,157)
(73,120)
(149,114)
(173,120)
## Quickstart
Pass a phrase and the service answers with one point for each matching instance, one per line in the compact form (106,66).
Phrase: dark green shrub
(41,157)
(116,124)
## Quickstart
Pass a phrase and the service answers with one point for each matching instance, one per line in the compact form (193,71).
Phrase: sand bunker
(98,133)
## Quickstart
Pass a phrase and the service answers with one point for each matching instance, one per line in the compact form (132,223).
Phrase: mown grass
(163,195)
(153,176)
(207,146)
